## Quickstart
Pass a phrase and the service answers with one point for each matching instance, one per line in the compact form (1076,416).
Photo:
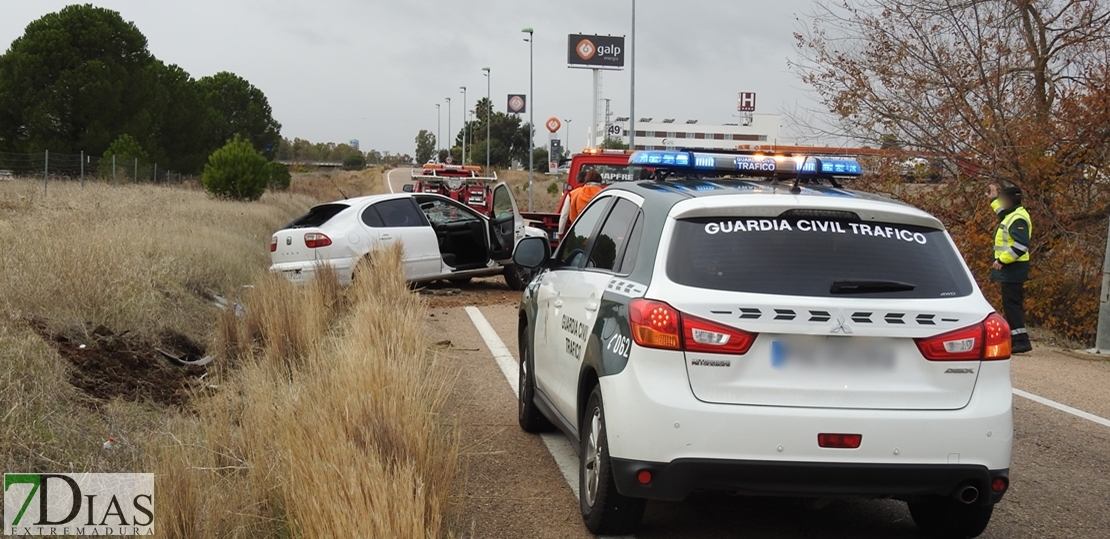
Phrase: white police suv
(739,326)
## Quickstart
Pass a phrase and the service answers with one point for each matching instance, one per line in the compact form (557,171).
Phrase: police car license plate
(832,353)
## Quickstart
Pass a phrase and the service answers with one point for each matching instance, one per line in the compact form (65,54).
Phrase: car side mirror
(408,188)
(532,252)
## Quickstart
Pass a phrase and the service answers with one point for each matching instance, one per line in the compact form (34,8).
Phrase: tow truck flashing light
(750,163)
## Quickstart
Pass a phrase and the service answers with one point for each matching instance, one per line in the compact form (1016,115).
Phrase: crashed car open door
(506,224)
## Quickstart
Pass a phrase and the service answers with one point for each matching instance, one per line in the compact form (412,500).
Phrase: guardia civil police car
(742,324)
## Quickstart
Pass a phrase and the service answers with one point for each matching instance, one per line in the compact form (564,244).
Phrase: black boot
(1019,344)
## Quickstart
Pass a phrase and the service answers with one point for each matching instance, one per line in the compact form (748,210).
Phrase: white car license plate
(832,353)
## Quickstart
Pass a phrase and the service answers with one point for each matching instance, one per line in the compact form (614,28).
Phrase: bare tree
(1011,91)
(955,77)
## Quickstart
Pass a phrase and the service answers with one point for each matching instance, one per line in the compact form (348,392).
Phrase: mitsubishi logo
(841,325)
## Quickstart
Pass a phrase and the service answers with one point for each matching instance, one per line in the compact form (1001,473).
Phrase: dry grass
(338,435)
(322,418)
(326,186)
(131,257)
(543,200)
(136,258)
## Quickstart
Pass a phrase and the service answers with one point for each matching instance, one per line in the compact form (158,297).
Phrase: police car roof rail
(746,163)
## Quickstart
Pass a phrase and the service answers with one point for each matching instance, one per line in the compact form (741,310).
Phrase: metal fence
(54,166)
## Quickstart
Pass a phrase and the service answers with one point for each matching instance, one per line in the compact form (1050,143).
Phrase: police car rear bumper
(675,480)
(652,416)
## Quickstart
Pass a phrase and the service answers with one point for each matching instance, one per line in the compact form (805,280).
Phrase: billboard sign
(595,52)
(554,155)
(517,104)
(746,102)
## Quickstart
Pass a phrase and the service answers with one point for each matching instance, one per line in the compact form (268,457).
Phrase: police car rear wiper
(863,287)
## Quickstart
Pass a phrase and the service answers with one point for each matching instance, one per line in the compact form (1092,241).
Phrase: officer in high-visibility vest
(1011,260)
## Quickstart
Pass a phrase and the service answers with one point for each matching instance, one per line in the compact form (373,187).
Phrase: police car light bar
(750,163)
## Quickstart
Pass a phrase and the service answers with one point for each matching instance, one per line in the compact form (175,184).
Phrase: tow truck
(611,164)
(463,183)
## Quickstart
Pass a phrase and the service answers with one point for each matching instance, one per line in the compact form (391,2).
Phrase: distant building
(661,134)
(353,143)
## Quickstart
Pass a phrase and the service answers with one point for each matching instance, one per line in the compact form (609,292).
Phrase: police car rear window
(816,257)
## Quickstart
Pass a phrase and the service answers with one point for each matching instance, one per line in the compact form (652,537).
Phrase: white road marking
(389,179)
(556,443)
(1063,407)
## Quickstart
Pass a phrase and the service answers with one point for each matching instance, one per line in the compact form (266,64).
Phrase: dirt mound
(107,365)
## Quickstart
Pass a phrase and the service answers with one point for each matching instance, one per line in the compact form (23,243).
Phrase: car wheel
(460,281)
(517,277)
(604,510)
(944,518)
(528,414)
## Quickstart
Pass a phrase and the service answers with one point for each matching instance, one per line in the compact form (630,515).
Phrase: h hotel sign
(746,102)
(79,504)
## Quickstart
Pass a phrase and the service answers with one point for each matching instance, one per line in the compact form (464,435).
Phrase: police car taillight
(706,336)
(987,340)
(654,324)
(658,325)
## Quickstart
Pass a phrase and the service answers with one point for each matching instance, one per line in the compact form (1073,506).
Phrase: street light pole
(632,98)
(463,88)
(571,150)
(439,131)
(531,113)
(489,107)
(450,143)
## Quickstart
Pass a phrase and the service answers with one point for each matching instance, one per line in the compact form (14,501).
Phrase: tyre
(528,414)
(517,277)
(945,518)
(604,510)
(460,281)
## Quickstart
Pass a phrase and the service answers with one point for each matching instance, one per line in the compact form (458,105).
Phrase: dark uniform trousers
(1013,306)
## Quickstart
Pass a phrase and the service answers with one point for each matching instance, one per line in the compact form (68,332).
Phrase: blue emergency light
(750,163)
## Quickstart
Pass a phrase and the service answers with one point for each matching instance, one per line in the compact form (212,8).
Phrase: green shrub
(553,188)
(279,176)
(355,161)
(126,151)
(236,171)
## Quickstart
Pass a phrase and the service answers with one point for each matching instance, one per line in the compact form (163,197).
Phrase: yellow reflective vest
(1011,240)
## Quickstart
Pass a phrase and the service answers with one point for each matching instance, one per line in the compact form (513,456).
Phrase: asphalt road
(396,178)
(516,484)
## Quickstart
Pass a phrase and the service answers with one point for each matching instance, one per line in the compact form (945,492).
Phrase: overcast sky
(374,70)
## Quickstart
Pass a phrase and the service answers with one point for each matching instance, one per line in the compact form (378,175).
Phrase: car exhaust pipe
(967,494)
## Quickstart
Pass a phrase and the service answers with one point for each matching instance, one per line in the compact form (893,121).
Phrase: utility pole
(569,149)
(463,88)
(489,107)
(451,142)
(605,139)
(531,113)
(1102,335)
(632,86)
(439,131)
